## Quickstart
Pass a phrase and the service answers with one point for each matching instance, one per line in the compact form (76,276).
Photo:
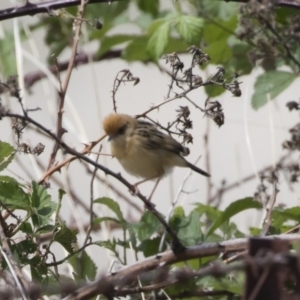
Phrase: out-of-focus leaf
(151,7)
(105,219)
(7,55)
(112,205)
(26,228)
(216,35)
(272,83)
(211,212)
(6,155)
(45,229)
(233,209)
(147,226)
(8,179)
(189,229)
(136,50)
(280,216)
(84,267)
(222,10)
(150,246)
(143,21)
(214,90)
(107,43)
(233,284)
(190,28)
(159,38)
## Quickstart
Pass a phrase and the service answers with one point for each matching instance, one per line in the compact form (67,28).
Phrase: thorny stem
(177,246)
(64,86)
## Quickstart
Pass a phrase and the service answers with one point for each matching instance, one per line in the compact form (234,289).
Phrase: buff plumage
(142,149)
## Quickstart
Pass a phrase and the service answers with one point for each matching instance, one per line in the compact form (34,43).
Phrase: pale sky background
(248,141)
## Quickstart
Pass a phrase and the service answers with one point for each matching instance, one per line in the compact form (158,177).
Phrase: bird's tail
(198,170)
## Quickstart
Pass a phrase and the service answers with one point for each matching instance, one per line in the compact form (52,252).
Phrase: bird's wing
(155,139)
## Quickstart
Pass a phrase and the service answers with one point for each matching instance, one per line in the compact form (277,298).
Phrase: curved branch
(163,259)
(31,9)
(176,246)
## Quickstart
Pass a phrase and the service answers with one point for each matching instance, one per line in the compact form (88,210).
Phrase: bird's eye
(122,129)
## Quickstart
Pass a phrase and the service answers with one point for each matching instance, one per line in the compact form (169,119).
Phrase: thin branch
(235,184)
(269,209)
(31,9)
(64,85)
(21,283)
(176,246)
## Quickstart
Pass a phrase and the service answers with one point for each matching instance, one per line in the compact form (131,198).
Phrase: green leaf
(150,246)
(219,51)
(66,237)
(159,38)
(233,209)
(8,179)
(26,247)
(214,90)
(108,13)
(147,226)
(26,228)
(7,55)
(189,229)
(280,216)
(216,35)
(143,21)
(176,45)
(135,50)
(38,270)
(43,207)
(151,7)
(219,30)
(6,155)
(83,266)
(211,212)
(177,216)
(108,42)
(272,83)
(222,10)
(13,196)
(104,219)
(110,245)
(45,229)
(239,62)
(113,205)
(232,283)
(190,28)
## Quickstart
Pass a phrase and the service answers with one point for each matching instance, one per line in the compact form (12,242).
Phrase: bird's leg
(154,188)
(140,182)
(136,190)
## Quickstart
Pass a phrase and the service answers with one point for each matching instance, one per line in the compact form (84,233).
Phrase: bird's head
(118,125)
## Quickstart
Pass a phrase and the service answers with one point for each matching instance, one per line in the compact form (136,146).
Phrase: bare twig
(233,185)
(269,208)
(21,282)
(168,257)
(64,85)
(177,246)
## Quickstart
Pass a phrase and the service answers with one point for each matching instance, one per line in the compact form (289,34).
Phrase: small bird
(142,149)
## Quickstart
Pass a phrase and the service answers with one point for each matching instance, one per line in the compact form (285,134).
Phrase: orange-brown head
(115,124)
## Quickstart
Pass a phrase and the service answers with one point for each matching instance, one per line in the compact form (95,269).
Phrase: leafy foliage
(232,40)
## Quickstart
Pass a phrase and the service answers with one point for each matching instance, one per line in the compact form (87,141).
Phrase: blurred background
(249,141)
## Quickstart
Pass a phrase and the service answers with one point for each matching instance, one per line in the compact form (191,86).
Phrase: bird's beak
(110,137)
